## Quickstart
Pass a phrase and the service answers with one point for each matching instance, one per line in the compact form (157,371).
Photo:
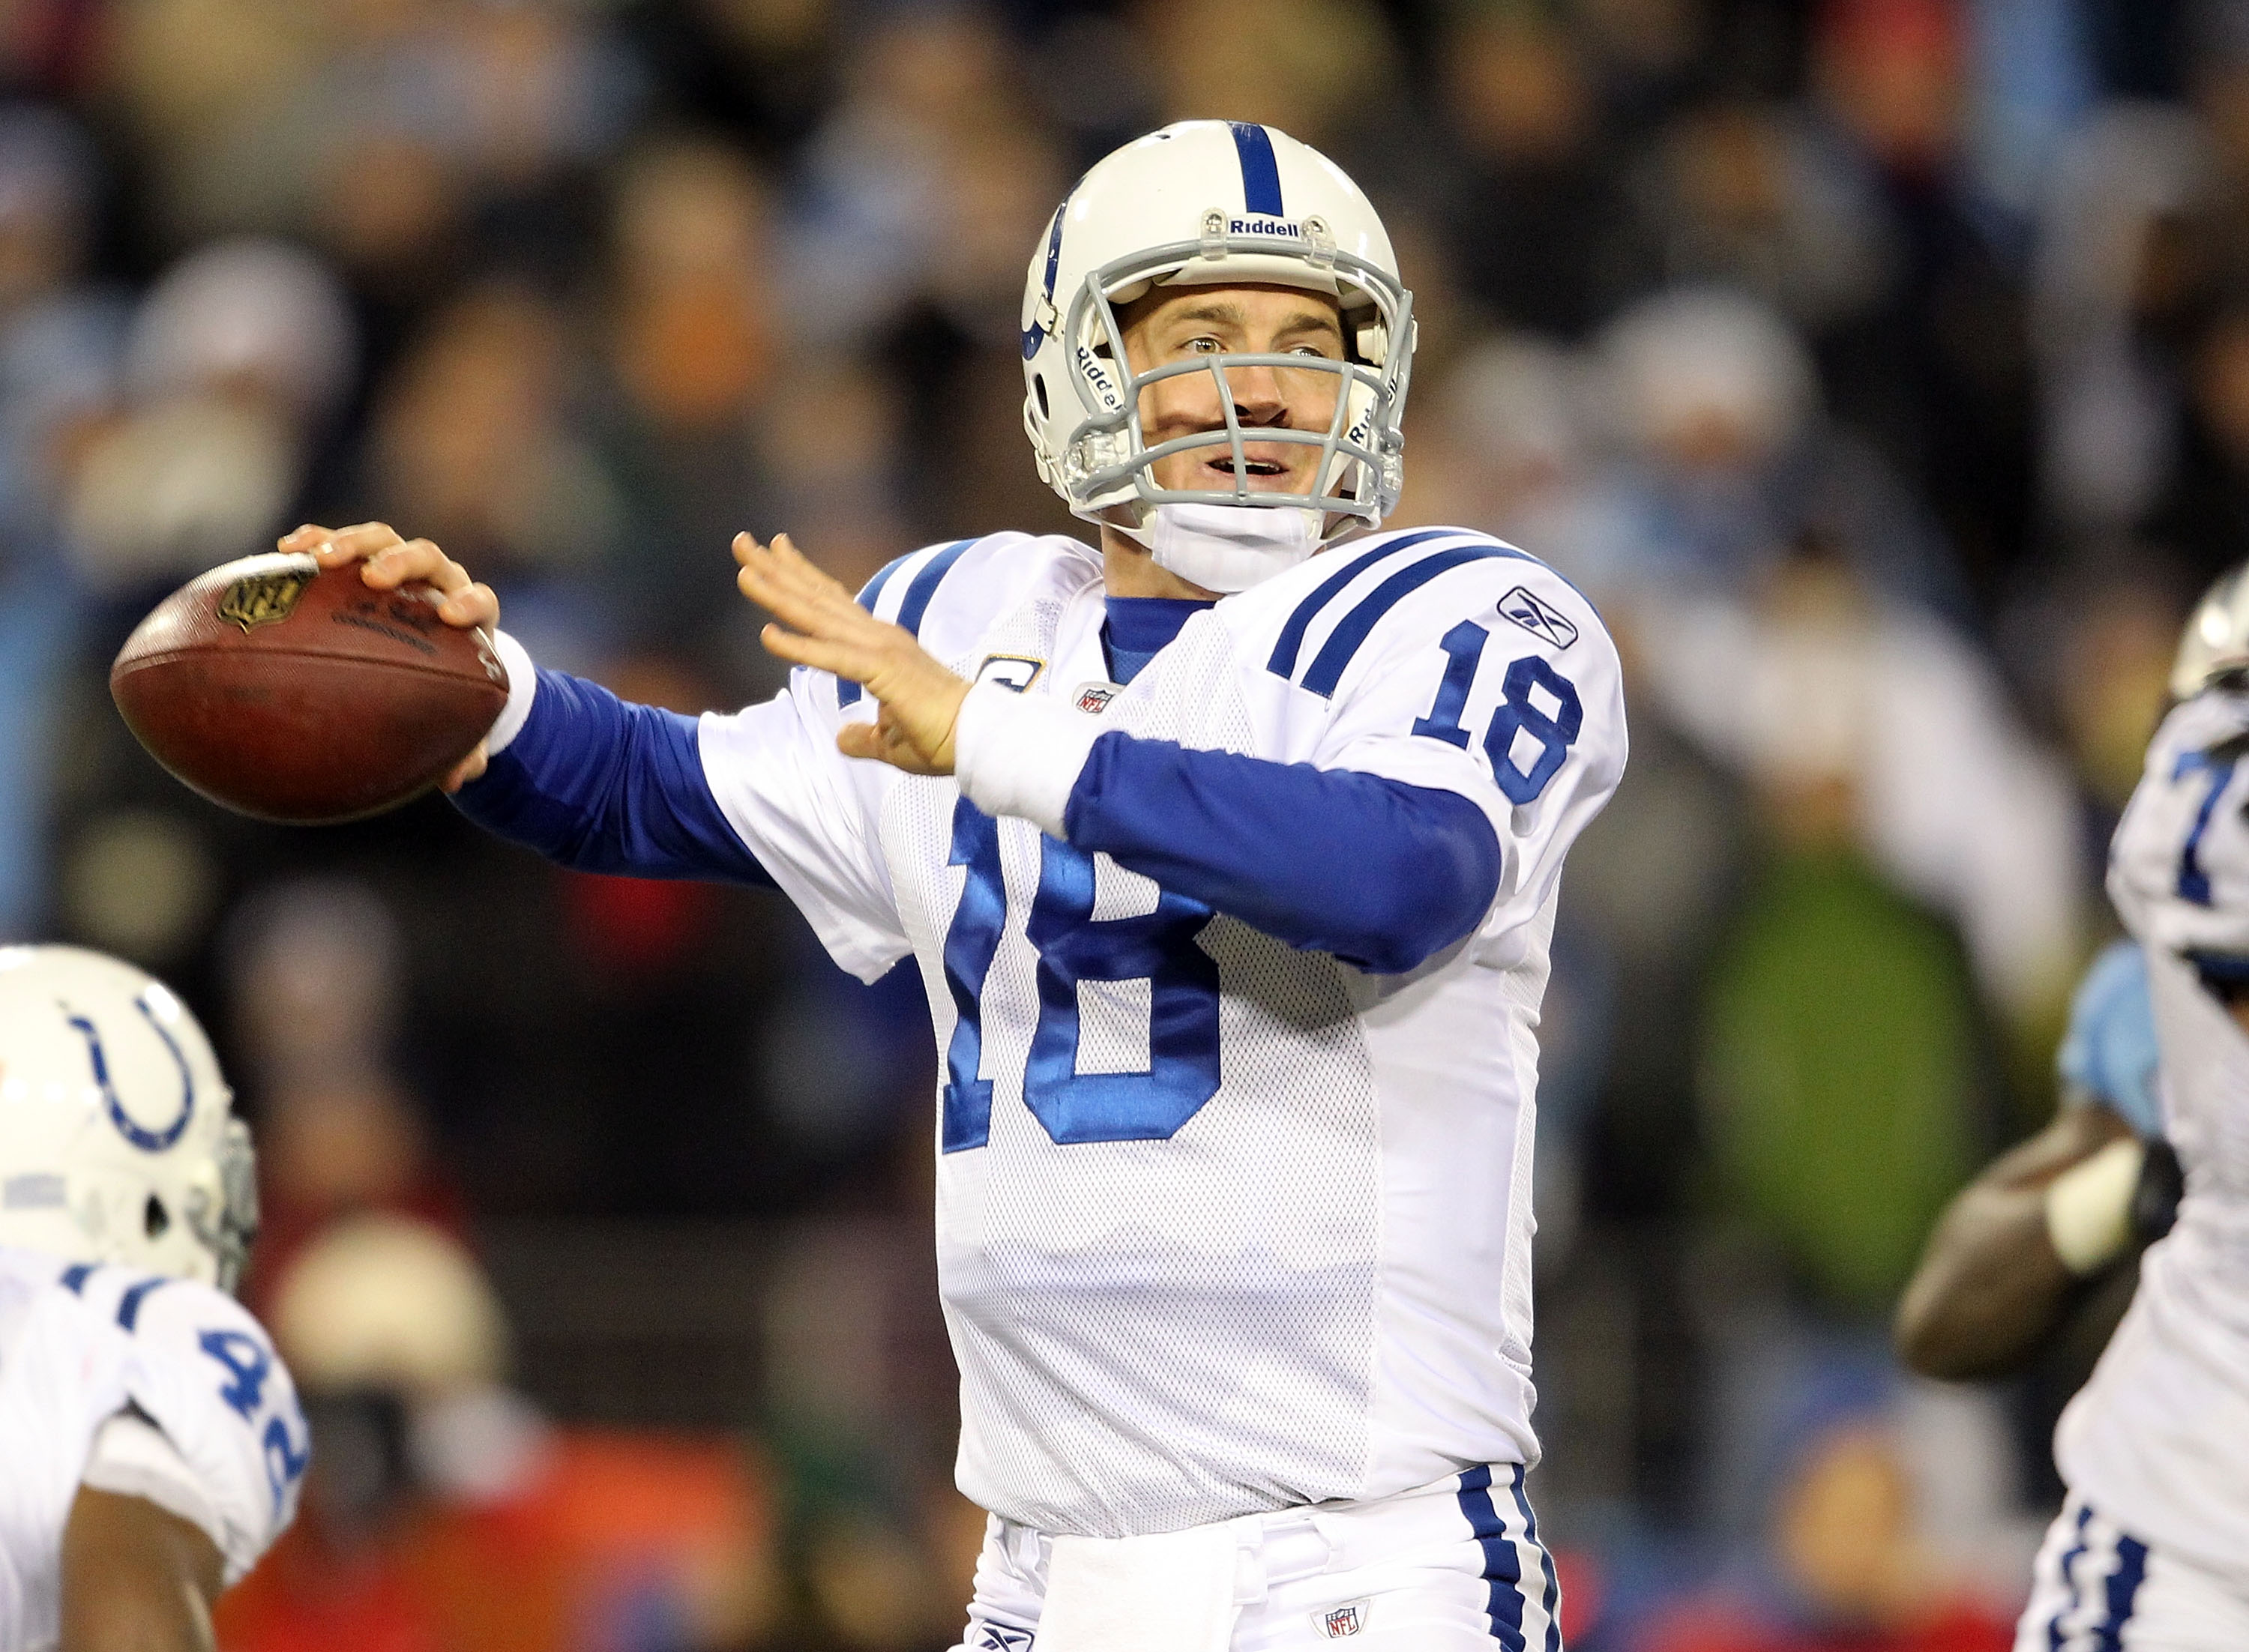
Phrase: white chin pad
(1231,547)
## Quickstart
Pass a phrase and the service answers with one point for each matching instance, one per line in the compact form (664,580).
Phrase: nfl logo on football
(1339,1621)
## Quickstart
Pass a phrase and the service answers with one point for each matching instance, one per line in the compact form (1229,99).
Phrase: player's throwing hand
(821,625)
(388,560)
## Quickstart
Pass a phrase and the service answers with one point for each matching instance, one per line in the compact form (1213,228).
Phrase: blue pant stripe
(1552,1603)
(916,604)
(2054,1630)
(1503,1564)
(1291,640)
(2123,1591)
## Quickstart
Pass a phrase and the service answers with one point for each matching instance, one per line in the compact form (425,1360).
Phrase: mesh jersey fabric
(2158,1439)
(77,1344)
(1304,1274)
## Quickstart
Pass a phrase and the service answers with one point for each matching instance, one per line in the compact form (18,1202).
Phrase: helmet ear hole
(155,1221)
(1039,388)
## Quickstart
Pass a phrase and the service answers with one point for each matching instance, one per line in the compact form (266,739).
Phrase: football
(294,695)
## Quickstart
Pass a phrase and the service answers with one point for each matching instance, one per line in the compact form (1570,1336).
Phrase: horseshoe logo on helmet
(146,1140)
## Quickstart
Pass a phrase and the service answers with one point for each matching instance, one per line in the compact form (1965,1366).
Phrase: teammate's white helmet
(1203,203)
(117,1140)
(2215,640)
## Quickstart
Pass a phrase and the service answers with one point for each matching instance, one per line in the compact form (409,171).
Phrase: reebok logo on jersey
(1339,1621)
(1542,619)
(1015,671)
(990,1637)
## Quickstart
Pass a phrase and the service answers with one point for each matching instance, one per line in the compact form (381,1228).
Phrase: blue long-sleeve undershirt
(1378,872)
(601,785)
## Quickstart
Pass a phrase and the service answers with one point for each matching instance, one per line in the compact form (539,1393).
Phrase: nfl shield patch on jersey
(1340,1623)
(1540,618)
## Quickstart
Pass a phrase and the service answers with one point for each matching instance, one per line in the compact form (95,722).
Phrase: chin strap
(1229,547)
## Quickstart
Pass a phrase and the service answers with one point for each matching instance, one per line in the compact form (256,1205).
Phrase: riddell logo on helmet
(1279,229)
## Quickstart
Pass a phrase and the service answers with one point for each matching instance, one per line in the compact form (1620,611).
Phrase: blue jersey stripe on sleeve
(75,1276)
(847,693)
(1291,640)
(128,1305)
(1261,170)
(872,592)
(1327,668)
(923,588)
(916,604)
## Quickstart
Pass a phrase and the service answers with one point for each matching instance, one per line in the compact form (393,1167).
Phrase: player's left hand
(821,625)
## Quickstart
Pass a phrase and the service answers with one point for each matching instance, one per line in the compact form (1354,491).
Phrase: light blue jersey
(2109,1054)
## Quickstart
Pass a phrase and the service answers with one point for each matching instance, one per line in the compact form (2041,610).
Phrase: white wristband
(522,684)
(1016,754)
(2089,1207)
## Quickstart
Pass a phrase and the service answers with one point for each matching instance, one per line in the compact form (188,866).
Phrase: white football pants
(1456,1567)
(2097,1589)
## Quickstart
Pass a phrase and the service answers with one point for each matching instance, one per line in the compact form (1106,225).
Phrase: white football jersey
(2159,1440)
(1223,1226)
(80,1344)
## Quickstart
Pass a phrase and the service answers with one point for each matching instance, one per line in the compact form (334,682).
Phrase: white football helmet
(2216,642)
(117,1140)
(1202,203)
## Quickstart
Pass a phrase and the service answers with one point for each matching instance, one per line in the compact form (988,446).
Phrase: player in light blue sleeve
(1228,849)
(2005,1261)
(150,1441)
(2107,1058)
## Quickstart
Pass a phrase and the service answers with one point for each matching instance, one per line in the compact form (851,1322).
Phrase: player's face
(1167,327)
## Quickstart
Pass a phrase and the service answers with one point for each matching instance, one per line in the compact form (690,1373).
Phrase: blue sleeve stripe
(1344,641)
(128,1305)
(923,588)
(872,592)
(1261,170)
(1291,640)
(75,1276)
(918,595)
(847,693)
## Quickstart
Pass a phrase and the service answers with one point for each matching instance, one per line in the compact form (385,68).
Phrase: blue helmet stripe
(1036,334)
(1261,171)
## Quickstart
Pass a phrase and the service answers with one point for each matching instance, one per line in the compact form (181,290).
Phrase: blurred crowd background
(1881,367)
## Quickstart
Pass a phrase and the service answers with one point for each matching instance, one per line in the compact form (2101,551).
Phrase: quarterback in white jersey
(1228,852)
(150,1441)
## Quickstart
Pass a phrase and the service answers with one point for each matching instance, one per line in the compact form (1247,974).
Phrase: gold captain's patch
(261,598)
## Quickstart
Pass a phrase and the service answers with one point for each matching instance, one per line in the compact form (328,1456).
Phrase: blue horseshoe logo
(147,1141)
